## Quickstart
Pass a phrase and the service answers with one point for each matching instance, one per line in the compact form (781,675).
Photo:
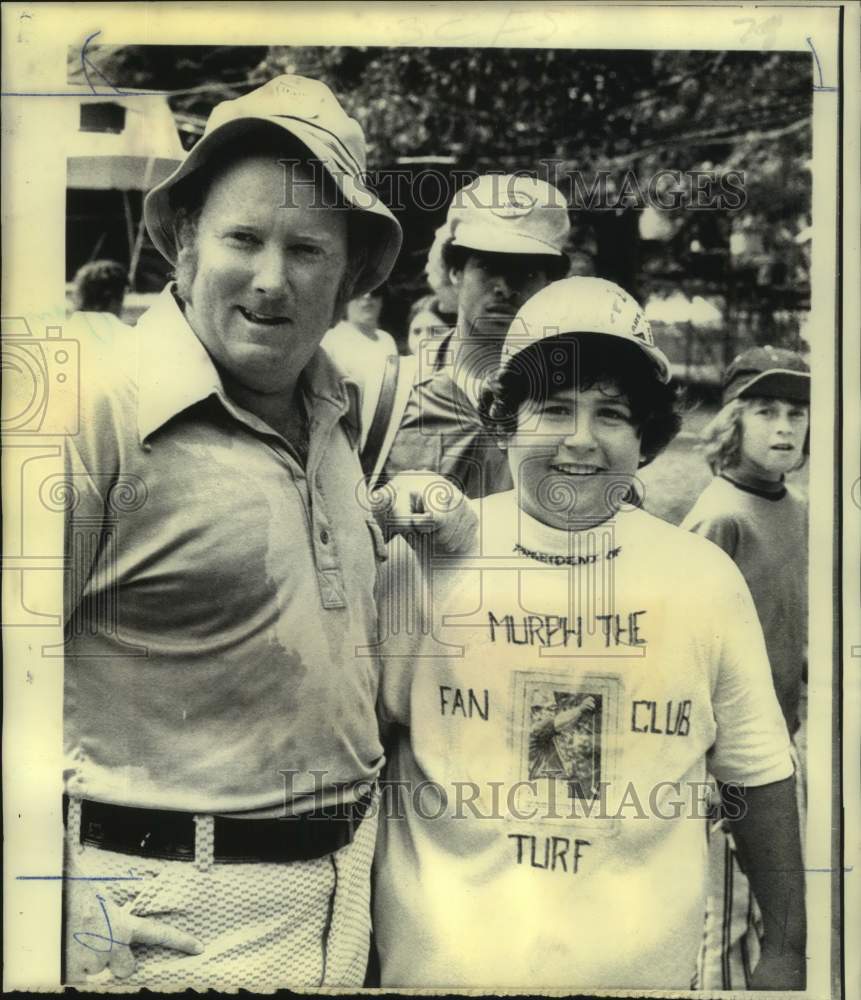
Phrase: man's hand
(426,502)
(101,935)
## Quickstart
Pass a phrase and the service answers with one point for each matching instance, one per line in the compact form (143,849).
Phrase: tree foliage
(623,115)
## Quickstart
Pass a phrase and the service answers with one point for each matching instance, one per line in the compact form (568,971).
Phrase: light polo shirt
(216,591)
(360,355)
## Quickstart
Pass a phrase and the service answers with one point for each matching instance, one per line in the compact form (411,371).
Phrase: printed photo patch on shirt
(565,744)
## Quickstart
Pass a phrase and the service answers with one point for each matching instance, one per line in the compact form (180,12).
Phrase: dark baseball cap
(773,372)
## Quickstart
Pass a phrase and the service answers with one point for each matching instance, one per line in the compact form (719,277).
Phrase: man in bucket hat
(220,730)
(503,241)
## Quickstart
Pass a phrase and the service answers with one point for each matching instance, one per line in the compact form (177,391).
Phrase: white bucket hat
(582,305)
(310,112)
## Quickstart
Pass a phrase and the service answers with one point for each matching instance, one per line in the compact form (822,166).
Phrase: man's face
(492,287)
(364,311)
(573,455)
(268,270)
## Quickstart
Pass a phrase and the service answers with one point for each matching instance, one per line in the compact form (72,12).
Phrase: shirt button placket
(323,541)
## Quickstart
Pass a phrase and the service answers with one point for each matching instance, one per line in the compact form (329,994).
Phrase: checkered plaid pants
(263,926)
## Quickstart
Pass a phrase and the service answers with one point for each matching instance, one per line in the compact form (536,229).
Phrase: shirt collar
(535,536)
(175,371)
(324,383)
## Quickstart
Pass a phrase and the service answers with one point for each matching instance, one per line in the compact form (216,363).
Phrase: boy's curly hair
(721,439)
(585,360)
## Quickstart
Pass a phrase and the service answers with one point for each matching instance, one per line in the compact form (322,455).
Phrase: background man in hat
(223,574)
(502,242)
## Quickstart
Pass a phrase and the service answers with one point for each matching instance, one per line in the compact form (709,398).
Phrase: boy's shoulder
(719,501)
(676,558)
(724,502)
(662,536)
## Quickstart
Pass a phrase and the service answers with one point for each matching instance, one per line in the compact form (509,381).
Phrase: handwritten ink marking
(767,29)
(23,17)
(472,706)
(821,86)
(647,721)
(85,62)
(557,852)
(855,493)
(111,940)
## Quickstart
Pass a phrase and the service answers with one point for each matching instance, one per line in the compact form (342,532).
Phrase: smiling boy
(564,782)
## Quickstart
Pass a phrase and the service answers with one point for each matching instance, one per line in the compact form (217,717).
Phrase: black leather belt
(169,835)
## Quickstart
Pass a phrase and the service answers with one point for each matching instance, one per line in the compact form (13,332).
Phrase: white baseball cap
(507,213)
(582,305)
(310,112)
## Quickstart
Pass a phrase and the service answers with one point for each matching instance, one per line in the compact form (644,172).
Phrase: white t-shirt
(357,353)
(362,358)
(575,707)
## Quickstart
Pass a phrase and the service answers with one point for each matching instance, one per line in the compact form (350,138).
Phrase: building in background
(118,147)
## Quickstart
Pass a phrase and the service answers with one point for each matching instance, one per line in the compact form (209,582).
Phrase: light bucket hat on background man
(583,305)
(509,214)
(772,372)
(502,213)
(308,111)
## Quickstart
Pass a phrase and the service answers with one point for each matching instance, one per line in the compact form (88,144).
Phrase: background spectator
(101,287)
(425,318)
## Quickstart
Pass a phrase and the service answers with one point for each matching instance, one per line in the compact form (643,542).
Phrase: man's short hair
(99,285)
(455,258)
(591,360)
